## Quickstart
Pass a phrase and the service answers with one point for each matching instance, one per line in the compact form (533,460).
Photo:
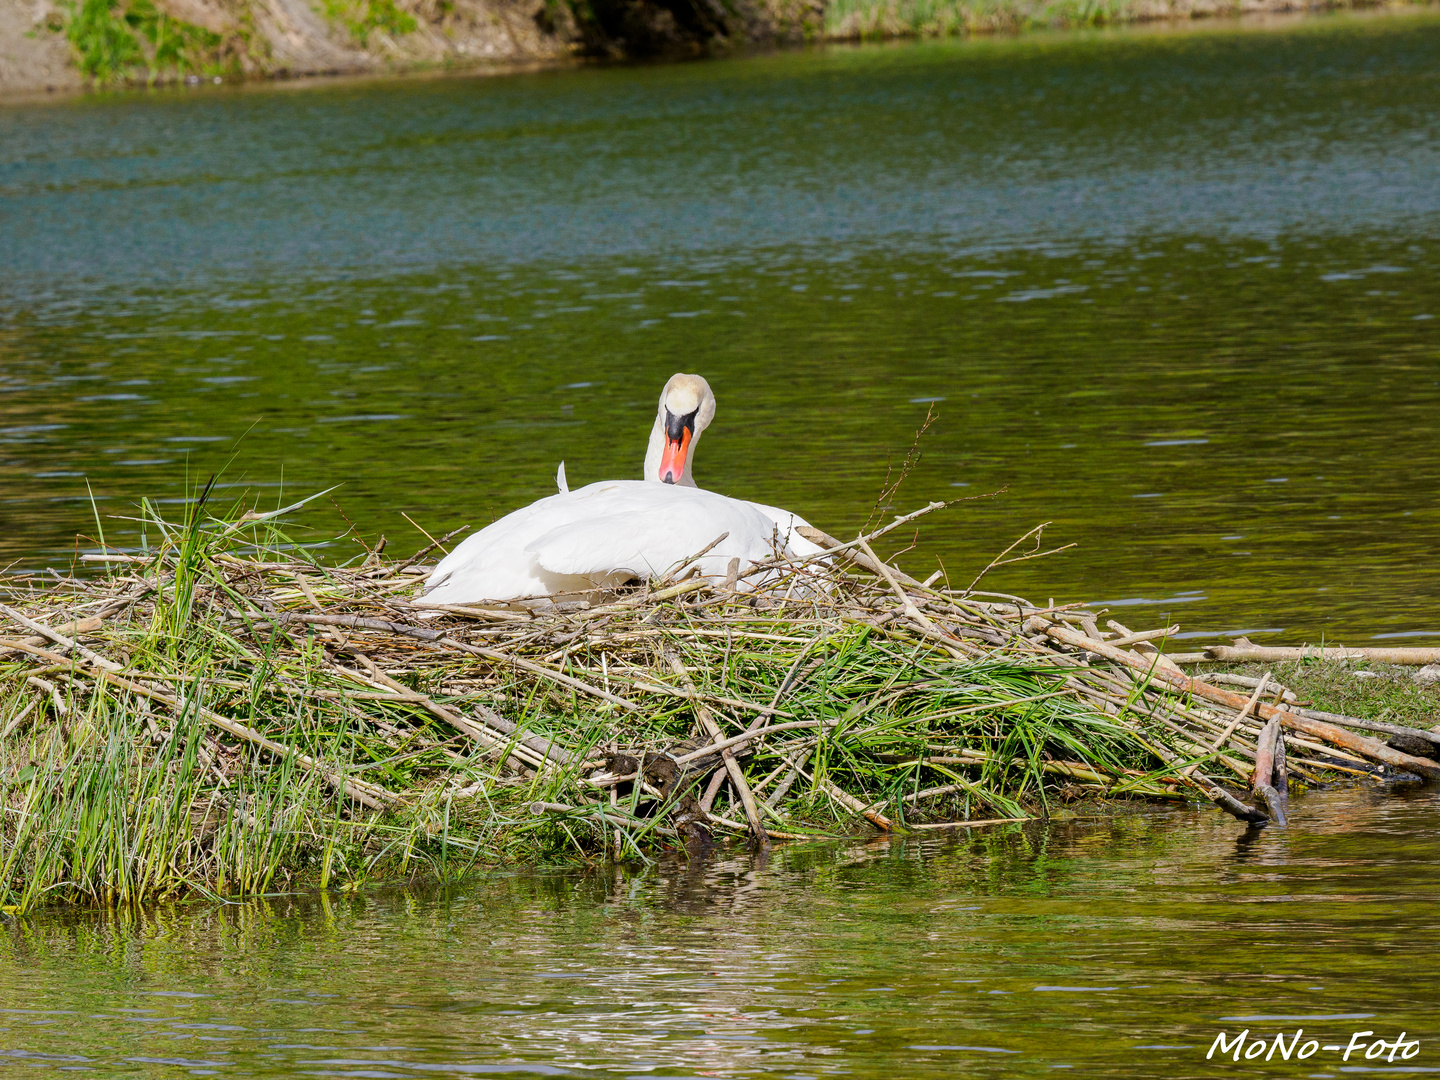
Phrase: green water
(1104,948)
(1175,290)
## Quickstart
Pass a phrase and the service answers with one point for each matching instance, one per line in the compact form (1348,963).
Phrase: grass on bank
(882,19)
(1360,688)
(119,41)
(222,714)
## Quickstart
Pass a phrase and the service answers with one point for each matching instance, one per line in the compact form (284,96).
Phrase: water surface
(1176,291)
(1104,947)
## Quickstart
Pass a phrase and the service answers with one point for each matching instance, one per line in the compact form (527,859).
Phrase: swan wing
(649,530)
(606,533)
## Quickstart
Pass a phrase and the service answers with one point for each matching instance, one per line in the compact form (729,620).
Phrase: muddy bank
(48,46)
(52,47)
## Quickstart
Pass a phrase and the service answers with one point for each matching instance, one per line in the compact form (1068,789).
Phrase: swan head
(686,408)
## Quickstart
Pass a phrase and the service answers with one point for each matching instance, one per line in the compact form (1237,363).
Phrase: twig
(732,767)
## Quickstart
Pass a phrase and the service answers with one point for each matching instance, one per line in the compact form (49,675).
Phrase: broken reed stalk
(225,713)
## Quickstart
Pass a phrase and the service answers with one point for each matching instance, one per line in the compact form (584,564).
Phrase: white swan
(605,534)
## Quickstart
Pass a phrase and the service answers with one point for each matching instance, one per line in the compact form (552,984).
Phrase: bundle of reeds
(224,713)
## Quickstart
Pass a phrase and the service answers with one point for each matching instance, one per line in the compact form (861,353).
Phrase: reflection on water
(1177,292)
(1116,947)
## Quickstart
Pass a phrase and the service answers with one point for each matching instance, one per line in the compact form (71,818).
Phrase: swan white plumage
(607,533)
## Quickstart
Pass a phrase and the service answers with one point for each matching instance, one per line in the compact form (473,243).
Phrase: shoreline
(38,64)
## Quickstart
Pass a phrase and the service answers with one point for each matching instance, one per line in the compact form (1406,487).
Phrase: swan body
(605,534)
(611,532)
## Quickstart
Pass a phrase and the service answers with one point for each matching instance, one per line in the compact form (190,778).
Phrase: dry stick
(1273,654)
(357,622)
(763,720)
(361,791)
(929,793)
(927,627)
(1264,767)
(845,799)
(19,719)
(1136,639)
(737,778)
(1224,736)
(681,565)
(549,673)
(59,639)
(425,550)
(48,688)
(1038,531)
(969,824)
(493,614)
(744,737)
(299,580)
(1244,680)
(866,561)
(794,764)
(888,574)
(688,586)
(538,743)
(1372,749)
(478,732)
(250,516)
(712,791)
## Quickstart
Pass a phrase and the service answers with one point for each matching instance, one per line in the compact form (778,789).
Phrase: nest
(224,712)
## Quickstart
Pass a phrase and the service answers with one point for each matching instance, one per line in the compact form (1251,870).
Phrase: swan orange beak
(672,461)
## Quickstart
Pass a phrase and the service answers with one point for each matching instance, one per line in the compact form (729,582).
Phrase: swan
(605,534)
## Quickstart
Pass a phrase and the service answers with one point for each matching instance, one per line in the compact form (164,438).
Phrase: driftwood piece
(1268,654)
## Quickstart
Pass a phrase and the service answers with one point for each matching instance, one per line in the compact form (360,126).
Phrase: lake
(1175,290)
(1110,946)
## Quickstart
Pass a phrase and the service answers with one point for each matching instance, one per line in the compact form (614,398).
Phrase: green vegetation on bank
(365,17)
(1361,688)
(879,19)
(132,40)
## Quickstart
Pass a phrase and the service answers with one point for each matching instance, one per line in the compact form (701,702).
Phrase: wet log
(1373,749)
(1418,735)
(1265,754)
